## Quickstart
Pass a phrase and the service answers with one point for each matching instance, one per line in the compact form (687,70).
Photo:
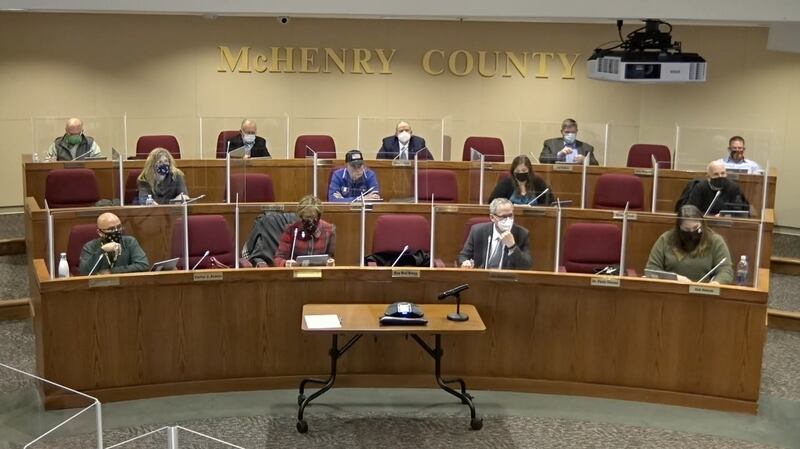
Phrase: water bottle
(741,271)
(63,266)
(149,201)
(35,157)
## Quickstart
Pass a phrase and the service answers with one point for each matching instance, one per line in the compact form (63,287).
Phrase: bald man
(112,252)
(73,144)
(704,192)
(403,145)
(254,146)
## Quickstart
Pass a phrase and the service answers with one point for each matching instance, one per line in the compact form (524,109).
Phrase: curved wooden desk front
(157,334)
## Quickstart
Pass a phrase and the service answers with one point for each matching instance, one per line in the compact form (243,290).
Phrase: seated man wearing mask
(736,159)
(704,193)
(403,145)
(567,148)
(499,243)
(313,235)
(352,180)
(73,144)
(691,250)
(254,146)
(112,252)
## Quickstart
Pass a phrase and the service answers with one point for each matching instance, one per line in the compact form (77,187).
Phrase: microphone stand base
(457,316)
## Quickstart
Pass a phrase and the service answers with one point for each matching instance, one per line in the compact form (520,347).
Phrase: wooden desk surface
(363,319)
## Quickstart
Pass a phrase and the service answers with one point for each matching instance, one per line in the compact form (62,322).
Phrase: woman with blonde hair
(309,235)
(161,178)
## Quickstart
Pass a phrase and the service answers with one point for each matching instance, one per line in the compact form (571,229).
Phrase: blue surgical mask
(570,137)
(162,169)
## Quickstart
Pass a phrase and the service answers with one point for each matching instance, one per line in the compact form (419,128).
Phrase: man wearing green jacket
(112,252)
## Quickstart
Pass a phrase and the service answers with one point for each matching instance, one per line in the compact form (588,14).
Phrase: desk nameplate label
(605,281)
(643,172)
(401,163)
(274,208)
(619,215)
(500,276)
(446,209)
(704,290)
(307,274)
(104,282)
(206,276)
(405,273)
(562,167)
(534,212)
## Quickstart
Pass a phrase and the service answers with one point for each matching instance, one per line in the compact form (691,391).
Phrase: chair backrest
(394,231)
(640,156)
(146,144)
(79,235)
(252,188)
(591,246)
(442,184)
(132,186)
(222,141)
(206,233)
(613,190)
(472,222)
(71,187)
(490,147)
(322,144)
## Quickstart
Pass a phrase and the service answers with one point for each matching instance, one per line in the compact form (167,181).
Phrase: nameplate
(733,176)
(501,276)
(643,172)
(323,162)
(619,215)
(562,167)
(202,276)
(401,163)
(274,208)
(405,273)
(719,223)
(357,206)
(74,165)
(307,274)
(534,212)
(85,213)
(446,209)
(605,281)
(104,282)
(704,290)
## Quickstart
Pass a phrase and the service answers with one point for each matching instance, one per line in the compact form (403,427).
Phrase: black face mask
(310,225)
(690,239)
(113,236)
(521,177)
(718,183)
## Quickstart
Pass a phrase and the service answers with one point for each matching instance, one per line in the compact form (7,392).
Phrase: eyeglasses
(502,217)
(112,230)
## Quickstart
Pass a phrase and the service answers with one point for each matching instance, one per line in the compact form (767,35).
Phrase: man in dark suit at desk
(498,244)
(403,145)
(567,148)
(254,146)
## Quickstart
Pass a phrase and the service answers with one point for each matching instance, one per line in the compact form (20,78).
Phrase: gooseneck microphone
(488,251)
(201,259)
(457,316)
(453,291)
(96,263)
(539,196)
(401,255)
(719,192)
(294,242)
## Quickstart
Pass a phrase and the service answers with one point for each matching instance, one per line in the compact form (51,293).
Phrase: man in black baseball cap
(353,180)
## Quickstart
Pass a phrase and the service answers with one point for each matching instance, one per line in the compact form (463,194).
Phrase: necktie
(497,252)
(404,153)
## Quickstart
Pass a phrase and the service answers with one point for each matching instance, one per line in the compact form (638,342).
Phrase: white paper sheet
(322,321)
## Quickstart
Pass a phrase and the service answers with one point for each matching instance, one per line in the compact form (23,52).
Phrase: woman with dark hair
(523,186)
(691,250)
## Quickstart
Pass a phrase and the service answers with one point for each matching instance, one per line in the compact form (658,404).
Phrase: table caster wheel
(300,399)
(475,423)
(302,426)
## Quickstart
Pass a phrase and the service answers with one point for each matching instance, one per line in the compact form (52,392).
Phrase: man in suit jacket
(567,148)
(498,244)
(403,145)
(254,146)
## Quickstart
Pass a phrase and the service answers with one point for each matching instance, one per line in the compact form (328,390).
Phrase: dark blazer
(259,147)
(731,198)
(475,248)
(391,148)
(505,188)
(552,146)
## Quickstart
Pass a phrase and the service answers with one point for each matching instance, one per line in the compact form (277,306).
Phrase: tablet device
(658,274)
(237,153)
(316,260)
(165,265)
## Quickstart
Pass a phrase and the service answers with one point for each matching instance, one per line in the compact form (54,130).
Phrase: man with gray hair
(499,243)
(254,146)
(567,148)
(73,144)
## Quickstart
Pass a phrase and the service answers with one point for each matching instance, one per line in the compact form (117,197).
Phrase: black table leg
(303,401)
(476,423)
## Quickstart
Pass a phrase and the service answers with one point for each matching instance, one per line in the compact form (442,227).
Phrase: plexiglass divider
(174,437)
(343,130)
(433,230)
(372,131)
(697,146)
(755,268)
(106,132)
(557,252)
(38,413)
(534,134)
(584,183)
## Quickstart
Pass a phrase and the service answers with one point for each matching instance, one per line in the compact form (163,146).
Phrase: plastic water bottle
(742,271)
(149,201)
(35,157)
(63,266)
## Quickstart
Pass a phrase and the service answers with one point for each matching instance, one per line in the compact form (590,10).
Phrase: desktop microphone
(96,263)
(401,255)
(311,150)
(82,155)
(535,159)
(361,197)
(539,196)
(713,269)
(201,259)
(294,241)
(457,316)
(719,192)
(453,291)
(488,251)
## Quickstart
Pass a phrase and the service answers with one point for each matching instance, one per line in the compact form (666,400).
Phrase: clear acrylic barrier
(622,137)
(185,129)
(372,131)
(211,237)
(343,130)
(37,413)
(479,181)
(699,146)
(533,135)
(456,132)
(565,183)
(237,184)
(274,130)
(107,132)
(174,437)
(396,178)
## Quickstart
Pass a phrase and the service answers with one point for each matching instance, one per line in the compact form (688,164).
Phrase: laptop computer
(658,274)
(165,265)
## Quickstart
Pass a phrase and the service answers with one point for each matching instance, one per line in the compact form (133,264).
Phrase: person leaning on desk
(161,178)
(523,186)
(691,250)
(308,236)
(112,252)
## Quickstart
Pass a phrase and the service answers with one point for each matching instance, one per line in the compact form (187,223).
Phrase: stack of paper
(323,321)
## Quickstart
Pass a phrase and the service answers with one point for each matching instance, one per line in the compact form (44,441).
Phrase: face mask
(690,239)
(570,137)
(113,236)
(737,155)
(74,139)
(404,137)
(505,224)
(162,169)
(249,138)
(310,225)
(521,177)
(718,183)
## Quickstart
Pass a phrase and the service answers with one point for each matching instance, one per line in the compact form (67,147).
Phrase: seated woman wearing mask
(691,250)
(161,179)
(523,186)
(309,235)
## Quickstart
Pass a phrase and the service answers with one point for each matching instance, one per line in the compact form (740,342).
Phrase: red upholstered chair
(206,233)
(146,144)
(323,145)
(252,188)
(71,187)
(640,156)
(612,191)
(394,231)
(442,184)
(490,147)
(132,186)
(472,222)
(79,235)
(222,141)
(589,247)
